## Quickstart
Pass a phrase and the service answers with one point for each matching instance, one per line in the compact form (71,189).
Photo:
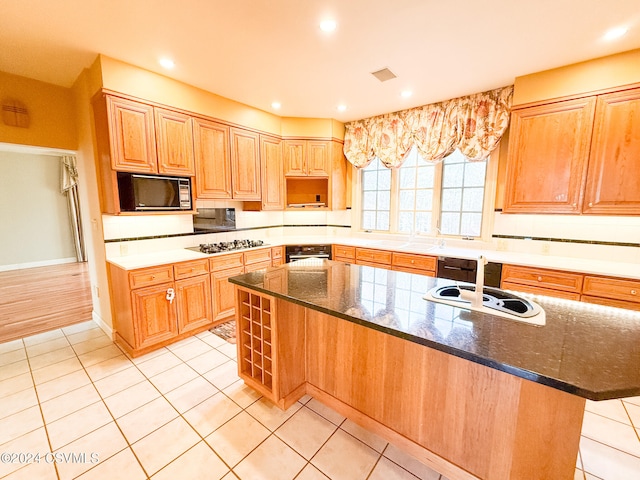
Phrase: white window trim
(488,206)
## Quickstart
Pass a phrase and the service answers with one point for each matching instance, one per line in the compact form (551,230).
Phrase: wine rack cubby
(256,320)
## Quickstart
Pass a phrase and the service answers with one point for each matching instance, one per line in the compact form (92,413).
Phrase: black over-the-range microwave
(148,193)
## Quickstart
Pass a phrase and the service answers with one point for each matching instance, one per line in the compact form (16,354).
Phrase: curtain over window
(473,124)
(69,186)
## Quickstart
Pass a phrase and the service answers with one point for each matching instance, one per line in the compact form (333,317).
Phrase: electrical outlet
(124,249)
(545,248)
(96,291)
(502,244)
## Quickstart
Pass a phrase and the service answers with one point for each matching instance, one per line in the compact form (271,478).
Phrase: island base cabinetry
(270,347)
(465,420)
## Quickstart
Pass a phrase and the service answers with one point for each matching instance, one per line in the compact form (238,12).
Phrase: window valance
(473,124)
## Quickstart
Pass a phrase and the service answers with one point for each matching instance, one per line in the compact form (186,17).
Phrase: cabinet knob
(539,279)
(413,261)
(633,292)
(153,277)
(591,204)
(193,269)
(574,205)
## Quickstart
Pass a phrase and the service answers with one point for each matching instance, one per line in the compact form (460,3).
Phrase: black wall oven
(301,252)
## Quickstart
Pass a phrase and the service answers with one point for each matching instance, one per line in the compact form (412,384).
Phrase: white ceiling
(258,51)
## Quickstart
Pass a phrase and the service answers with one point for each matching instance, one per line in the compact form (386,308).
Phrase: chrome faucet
(478,296)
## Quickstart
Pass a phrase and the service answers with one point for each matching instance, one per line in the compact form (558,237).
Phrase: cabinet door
(272,173)
(223,293)
(613,180)
(174,140)
(245,165)
(547,159)
(131,133)
(295,155)
(318,158)
(213,159)
(154,316)
(194,302)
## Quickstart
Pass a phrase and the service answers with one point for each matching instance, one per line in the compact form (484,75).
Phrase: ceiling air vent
(15,114)
(384,74)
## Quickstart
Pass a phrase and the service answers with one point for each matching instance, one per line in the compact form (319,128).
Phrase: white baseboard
(102,324)
(45,263)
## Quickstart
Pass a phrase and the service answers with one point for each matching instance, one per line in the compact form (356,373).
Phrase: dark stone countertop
(584,349)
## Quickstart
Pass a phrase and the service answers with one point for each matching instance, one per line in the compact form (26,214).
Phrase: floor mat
(226,330)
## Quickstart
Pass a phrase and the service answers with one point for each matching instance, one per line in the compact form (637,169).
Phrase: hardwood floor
(36,300)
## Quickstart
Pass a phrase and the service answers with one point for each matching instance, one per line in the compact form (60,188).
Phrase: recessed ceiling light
(328,25)
(615,33)
(406,93)
(167,63)
(342,108)
(276,105)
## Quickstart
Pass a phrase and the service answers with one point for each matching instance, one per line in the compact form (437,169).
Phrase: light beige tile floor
(182,412)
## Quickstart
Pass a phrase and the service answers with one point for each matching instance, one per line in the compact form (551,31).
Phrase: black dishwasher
(465,270)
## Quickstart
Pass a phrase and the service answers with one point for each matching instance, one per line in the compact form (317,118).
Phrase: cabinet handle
(539,279)
(171,294)
(633,292)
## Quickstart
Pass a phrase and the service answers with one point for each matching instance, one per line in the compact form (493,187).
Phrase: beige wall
(584,77)
(52,120)
(35,226)
(122,77)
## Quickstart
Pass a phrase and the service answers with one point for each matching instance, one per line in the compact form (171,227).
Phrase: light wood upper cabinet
(307,158)
(547,159)
(245,165)
(272,173)
(613,181)
(213,159)
(174,142)
(131,135)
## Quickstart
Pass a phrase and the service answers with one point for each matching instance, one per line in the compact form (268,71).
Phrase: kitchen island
(470,394)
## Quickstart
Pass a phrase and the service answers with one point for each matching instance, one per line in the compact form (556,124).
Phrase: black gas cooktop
(227,246)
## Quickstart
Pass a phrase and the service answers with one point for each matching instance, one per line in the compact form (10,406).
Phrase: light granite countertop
(582,265)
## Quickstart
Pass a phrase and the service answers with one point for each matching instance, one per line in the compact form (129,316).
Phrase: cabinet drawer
(257,256)
(229,260)
(408,260)
(539,290)
(615,288)
(370,255)
(611,302)
(150,276)
(277,253)
(344,253)
(190,269)
(557,280)
(252,267)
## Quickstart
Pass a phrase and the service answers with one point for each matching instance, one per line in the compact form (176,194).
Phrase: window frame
(489,202)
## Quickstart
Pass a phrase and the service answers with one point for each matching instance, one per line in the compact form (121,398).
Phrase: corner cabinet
(245,165)
(579,156)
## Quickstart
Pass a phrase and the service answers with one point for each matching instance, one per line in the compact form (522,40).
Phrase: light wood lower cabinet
(614,292)
(373,257)
(194,303)
(553,283)
(414,263)
(155,306)
(154,317)
(223,300)
(343,253)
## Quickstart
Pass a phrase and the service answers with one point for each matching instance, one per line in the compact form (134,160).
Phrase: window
(424,197)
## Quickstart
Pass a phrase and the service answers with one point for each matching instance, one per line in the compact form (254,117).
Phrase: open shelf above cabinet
(307,193)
